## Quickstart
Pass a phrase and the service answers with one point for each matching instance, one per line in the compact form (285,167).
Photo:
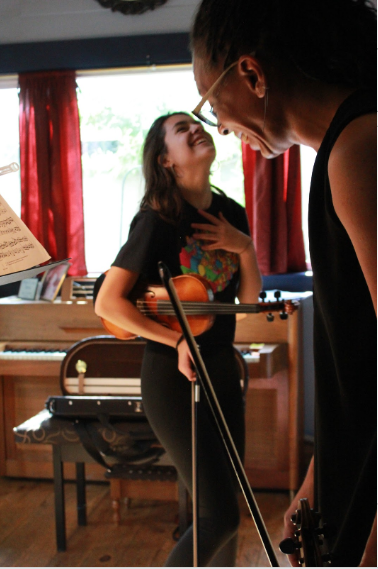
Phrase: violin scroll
(285,307)
(308,537)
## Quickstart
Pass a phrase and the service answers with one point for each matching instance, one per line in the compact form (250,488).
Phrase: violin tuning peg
(288,546)
(284,315)
(277,294)
(262,295)
(270,317)
(296,518)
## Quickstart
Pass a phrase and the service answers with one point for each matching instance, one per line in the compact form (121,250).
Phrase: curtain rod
(139,69)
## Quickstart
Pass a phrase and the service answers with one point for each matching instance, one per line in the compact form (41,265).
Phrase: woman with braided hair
(304,72)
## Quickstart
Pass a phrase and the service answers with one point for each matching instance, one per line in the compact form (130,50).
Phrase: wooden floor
(143,539)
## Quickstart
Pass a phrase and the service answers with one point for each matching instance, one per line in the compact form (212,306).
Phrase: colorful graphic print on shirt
(217,267)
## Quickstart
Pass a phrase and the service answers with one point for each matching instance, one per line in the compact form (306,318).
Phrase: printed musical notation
(19,249)
(21,254)
(15,229)
(13,242)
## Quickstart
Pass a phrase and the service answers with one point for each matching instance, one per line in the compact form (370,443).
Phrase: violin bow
(225,434)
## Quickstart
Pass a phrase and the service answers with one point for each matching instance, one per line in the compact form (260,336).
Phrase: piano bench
(44,428)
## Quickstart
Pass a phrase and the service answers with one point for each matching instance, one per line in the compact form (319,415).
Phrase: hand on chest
(217,267)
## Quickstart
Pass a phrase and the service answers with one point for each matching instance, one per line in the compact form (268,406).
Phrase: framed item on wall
(28,289)
(53,280)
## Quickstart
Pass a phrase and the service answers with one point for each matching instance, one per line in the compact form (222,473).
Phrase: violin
(197,299)
(310,536)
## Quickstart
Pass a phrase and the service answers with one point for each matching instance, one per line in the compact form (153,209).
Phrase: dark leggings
(167,402)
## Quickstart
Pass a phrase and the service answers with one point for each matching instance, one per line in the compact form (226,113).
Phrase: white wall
(47,20)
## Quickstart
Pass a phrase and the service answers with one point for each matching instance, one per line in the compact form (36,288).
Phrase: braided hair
(333,41)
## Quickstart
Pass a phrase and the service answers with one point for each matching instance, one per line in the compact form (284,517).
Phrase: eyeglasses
(204,111)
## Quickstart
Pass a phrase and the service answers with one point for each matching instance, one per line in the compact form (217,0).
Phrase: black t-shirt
(151,239)
(345,349)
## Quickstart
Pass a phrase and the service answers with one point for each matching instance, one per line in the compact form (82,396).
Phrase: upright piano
(34,336)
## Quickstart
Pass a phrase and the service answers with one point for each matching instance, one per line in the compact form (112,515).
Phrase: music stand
(205,382)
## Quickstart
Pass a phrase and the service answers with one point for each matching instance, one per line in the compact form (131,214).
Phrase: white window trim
(8,81)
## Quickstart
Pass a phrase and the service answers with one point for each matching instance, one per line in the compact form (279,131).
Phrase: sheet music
(19,249)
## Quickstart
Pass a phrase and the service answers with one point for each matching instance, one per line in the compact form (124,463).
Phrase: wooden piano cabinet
(23,397)
(267,426)
(274,413)
(43,322)
(26,384)
(274,405)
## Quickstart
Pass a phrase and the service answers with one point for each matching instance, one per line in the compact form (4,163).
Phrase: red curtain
(273,203)
(50,159)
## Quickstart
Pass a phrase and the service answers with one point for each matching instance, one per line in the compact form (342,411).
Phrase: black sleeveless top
(345,346)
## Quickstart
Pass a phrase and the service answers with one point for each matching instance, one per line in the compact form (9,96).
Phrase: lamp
(131,6)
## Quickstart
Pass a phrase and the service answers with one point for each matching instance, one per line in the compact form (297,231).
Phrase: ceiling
(23,21)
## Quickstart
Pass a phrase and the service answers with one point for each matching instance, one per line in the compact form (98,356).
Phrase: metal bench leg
(183,507)
(81,495)
(60,516)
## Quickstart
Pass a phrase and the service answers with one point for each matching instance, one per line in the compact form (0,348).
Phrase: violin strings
(200,308)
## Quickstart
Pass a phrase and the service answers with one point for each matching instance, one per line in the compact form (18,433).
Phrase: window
(9,142)
(308,156)
(116,112)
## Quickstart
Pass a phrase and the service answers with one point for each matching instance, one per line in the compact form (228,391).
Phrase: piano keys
(24,359)
(263,361)
(32,354)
